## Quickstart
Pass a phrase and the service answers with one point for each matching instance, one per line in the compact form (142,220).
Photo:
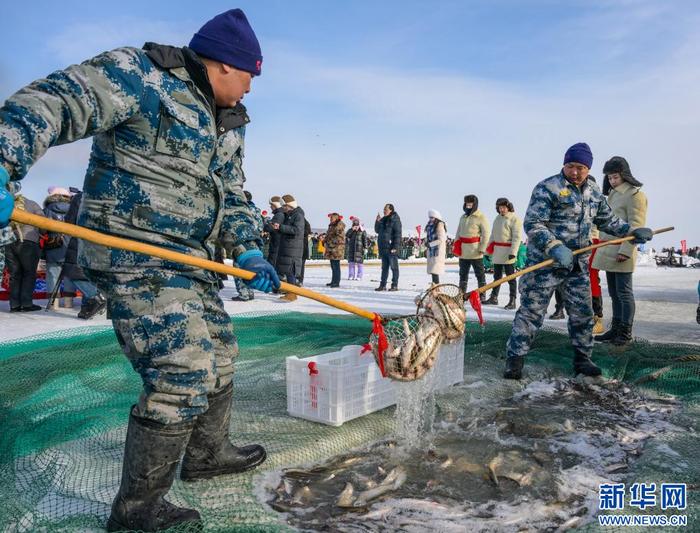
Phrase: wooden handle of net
(121,243)
(549,262)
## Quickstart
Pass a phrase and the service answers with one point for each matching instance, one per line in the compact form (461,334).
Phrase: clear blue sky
(419,103)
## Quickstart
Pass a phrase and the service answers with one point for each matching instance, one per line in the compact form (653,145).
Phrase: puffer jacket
(388,229)
(356,242)
(56,207)
(165,166)
(273,249)
(630,204)
(291,247)
(335,240)
(25,232)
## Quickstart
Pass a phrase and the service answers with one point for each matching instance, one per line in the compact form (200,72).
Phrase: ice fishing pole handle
(121,243)
(549,262)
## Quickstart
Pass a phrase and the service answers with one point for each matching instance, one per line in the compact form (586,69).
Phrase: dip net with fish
(406,348)
(65,398)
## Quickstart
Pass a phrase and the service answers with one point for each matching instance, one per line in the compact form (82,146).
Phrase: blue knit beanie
(579,153)
(228,38)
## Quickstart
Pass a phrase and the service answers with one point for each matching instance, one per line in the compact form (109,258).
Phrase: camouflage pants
(177,336)
(536,290)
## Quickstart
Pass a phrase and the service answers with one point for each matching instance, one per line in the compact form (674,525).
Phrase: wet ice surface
(532,459)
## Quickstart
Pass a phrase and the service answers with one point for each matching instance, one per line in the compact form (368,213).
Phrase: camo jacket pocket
(168,223)
(178,132)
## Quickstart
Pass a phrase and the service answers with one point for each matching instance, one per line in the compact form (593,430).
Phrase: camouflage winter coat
(335,241)
(561,213)
(165,166)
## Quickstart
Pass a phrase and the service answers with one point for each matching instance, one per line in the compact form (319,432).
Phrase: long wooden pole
(111,241)
(549,262)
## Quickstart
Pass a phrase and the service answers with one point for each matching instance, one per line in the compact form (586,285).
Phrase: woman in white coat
(436,238)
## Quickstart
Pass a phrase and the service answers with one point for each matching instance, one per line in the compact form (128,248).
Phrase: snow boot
(92,307)
(584,365)
(393,288)
(610,334)
(558,314)
(511,303)
(209,452)
(514,367)
(380,288)
(493,300)
(151,454)
(598,328)
(624,336)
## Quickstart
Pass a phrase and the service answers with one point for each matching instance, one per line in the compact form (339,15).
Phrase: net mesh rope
(65,398)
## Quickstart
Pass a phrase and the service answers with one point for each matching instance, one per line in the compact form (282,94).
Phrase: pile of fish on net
(414,340)
(533,459)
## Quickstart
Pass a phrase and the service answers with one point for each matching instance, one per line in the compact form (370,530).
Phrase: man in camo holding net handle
(563,208)
(165,169)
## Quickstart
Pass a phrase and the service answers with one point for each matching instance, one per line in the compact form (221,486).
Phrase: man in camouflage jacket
(165,169)
(562,211)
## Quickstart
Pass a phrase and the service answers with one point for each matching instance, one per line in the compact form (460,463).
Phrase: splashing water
(415,412)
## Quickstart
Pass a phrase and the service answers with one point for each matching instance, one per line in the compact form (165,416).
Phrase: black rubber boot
(493,300)
(92,307)
(210,452)
(609,335)
(151,455)
(624,335)
(584,365)
(514,367)
(511,303)
(558,314)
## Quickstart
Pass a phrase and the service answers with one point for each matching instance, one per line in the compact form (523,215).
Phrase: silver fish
(345,498)
(392,482)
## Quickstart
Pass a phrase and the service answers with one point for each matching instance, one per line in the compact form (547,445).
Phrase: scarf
(431,234)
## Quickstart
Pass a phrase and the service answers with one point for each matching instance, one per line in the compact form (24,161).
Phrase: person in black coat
(356,243)
(305,255)
(291,241)
(276,219)
(388,230)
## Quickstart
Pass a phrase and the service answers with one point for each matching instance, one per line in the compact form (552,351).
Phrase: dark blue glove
(563,257)
(7,200)
(266,277)
(642,235)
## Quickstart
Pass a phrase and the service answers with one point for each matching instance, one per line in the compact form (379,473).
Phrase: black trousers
(498,274)
(22,259)
(335,272)
(390,261)
(464,266)
(622,296)
(300,279)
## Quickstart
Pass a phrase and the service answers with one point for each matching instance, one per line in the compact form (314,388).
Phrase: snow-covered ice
(666,302)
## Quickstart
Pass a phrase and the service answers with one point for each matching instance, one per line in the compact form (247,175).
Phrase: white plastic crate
(349,385)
